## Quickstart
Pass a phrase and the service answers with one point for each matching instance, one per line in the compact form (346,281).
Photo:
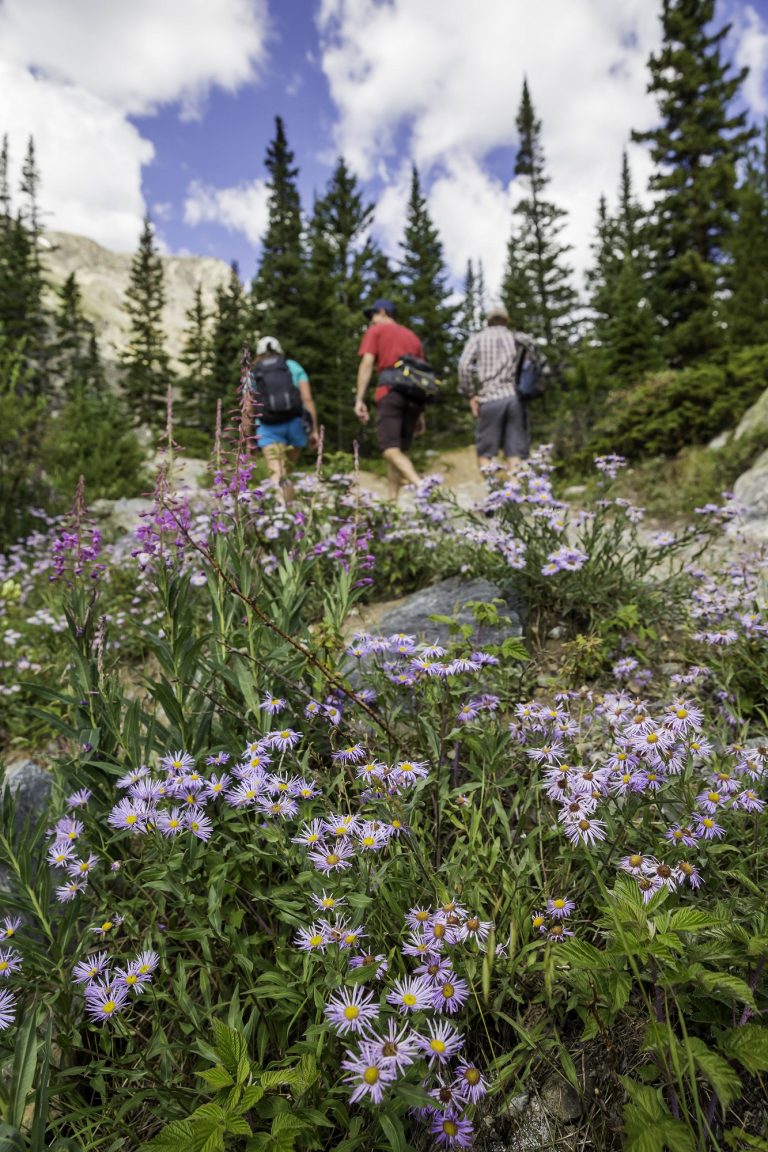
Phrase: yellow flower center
(131,818)
(106,926)
(109,1007)
(315,941)
(371,1075)
(351,1012)
(559,903)
(332,858)
(437,1045)
(472,1076)
(538,921)
(447,991)
(450,1128)
(409,999)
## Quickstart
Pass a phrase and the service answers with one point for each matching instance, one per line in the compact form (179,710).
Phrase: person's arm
(364,373)
(467,362)
(308,402)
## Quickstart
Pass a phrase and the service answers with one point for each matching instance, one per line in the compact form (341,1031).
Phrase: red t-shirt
(387,342)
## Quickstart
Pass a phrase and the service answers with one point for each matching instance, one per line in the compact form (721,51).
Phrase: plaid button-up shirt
(487,364)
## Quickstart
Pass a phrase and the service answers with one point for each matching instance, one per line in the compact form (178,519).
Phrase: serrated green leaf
(715,1069)
(217,1077)
(690,920)
(724,986)
(747,1045)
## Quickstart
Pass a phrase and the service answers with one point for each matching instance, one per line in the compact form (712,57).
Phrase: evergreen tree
(75,358)
(5,190)
(424,281)
(196,358)
(230,329)
(342,270)
(695,150)
(146,369)
(537,288)
(279,288)
(472,308)
(746,309)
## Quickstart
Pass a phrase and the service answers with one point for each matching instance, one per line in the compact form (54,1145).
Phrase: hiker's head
(380,310)
(269,346)
(497,316)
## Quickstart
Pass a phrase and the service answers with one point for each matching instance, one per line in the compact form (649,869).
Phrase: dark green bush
(92,437)
(670,410)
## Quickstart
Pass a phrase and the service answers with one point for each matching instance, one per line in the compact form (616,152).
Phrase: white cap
(269,344)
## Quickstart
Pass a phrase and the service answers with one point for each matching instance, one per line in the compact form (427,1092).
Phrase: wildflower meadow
(304,885)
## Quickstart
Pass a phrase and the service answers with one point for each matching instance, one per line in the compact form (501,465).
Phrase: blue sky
(170,104)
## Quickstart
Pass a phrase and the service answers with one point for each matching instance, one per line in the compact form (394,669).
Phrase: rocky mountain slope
(103,278)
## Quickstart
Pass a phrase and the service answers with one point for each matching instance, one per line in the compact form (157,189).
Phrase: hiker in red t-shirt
(398,418)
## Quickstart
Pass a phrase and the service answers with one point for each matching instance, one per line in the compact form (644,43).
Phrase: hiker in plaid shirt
(487,377)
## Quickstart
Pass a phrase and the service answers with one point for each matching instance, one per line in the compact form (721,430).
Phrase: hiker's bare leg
(399,470)
(514,464)
(485,462)
(275,456)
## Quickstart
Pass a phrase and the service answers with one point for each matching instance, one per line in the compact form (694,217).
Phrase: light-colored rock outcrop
(103,277)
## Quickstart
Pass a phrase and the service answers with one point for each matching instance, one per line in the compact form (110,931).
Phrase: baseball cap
(497,312)
(269,344)
(380,306)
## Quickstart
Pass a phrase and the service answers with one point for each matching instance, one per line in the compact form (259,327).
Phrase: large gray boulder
(755,419)
(751,492)
(450,598)
(30,785)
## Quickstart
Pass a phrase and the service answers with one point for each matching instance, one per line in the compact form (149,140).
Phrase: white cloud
(446,88)
(72,73)
(752,51)
(242,209)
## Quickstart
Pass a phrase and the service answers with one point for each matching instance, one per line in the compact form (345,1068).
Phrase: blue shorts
(293,434)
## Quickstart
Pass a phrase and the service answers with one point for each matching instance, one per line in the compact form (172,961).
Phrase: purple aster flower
(132,978)
(10,961)
(87,970)
(272,704)
(312,939)
(436,969)
(341,826)
(305,789)
(146,962)
(470,1081)
(219,760)
(170,823)
(372,835)
(199,824)
(707,828)
(587,830)
(351,1010)
(79,799)
(104,1000)
(748,801)
(311,833)
(407,772)
(369,1072)
(352,754)
(364,959)
(106,926)
(68,891)
(450,995)
(417,946)
(441,1043)
(331,859)
(129,814)
(556,933)
(284,739)
(467,713)
(246,794)
(327,902)
(451,1130)
(68,829)
(559,908)
(179,762)
(680,835)
(689,873)
(216,786)
(281,807)
(81,868)
(413,994)
(132,777)
(8,1010)
(60,853)
(474,928)
(397,1045)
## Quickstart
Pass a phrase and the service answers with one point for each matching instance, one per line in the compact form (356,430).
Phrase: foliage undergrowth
(306,888)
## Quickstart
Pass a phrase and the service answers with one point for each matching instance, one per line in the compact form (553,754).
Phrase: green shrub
(670,410)
(92,437)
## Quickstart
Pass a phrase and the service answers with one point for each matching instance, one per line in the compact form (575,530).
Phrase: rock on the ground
(124,514)
(450,598)
(751,492)
(30,785)
(755,419)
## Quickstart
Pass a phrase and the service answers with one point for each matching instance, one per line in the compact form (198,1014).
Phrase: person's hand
(361,411)
(474,406)
(421,426)
(314,439)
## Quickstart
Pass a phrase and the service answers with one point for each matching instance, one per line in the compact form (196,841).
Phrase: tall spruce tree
(537,288)
(230,329)
(746,309)
(279,287)
(424,281)
(196,358)
(472,307)
(146,368)
(342,267)
(695,150)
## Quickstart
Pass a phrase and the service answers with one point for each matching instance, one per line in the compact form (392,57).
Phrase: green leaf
(392,1127)
(690,920)
(747,1045)
(722,985)
(11,1139)
(230,1046)
(24,1065)
(742,1141)
(217,1077)
(715,1068)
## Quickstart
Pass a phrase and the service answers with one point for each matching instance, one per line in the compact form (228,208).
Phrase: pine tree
(342,268)
(5,190)
(746,309)
(75,358)
(230,329)
(146,368)
(279,288)
(424,281)
(196,358)
(472,307)
(695,151)
(537,288)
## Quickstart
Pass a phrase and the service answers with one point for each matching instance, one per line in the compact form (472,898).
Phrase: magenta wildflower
(412,994)
(351,1010)
(10,962)
(369,1072)
(7,1009)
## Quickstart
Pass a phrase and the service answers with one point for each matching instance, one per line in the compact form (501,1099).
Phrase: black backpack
(278,400)
(532,373)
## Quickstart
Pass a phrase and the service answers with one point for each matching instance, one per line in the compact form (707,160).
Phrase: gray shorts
(503,426)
